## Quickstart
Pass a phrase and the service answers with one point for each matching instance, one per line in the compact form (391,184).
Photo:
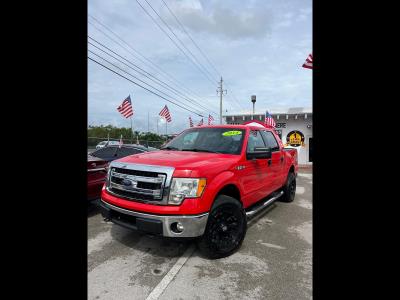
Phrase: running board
(264,205)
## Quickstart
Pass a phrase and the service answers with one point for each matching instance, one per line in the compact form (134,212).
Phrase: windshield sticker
(232,132)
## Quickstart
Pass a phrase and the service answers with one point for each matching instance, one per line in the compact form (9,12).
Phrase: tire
(289,189)
(225,230)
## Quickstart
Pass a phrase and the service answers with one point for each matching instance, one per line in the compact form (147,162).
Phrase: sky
(257,46)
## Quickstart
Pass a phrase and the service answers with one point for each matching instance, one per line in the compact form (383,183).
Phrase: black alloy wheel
(289,189)
(225,230)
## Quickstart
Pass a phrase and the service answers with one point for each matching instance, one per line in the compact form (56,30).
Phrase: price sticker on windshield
(232,132)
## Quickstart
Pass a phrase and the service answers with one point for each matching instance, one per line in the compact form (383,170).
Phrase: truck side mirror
(259,153)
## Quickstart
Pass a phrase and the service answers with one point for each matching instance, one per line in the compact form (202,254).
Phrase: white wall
(301,125)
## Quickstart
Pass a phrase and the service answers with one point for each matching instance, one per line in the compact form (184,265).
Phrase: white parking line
(159,289)
(270,245)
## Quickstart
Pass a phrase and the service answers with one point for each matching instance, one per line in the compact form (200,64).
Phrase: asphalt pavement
(274,262)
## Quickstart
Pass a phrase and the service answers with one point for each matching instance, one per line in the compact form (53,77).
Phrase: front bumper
(194,225)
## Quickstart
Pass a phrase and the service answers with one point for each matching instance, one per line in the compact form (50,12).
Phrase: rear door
(254,175)
(277,161)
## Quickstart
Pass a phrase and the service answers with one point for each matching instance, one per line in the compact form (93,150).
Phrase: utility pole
(221,92)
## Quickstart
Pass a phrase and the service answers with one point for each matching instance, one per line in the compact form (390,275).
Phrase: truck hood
(186,163)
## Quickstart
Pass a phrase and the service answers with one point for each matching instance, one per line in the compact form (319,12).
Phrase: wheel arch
(231,190)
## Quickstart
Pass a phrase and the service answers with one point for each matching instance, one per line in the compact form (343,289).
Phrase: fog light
(177,227)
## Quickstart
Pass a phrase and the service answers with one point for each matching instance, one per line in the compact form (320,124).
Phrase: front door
(254,174)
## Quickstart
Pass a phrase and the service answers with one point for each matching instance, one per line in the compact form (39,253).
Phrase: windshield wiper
(200,150)
(169,148)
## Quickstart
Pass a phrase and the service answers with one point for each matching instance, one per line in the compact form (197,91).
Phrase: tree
(99,133)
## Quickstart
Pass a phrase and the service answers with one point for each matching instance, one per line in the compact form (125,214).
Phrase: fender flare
(219,182)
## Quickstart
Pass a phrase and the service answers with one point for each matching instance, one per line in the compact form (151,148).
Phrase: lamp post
(253,100)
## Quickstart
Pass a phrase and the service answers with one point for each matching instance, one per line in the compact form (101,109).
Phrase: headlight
(182,188)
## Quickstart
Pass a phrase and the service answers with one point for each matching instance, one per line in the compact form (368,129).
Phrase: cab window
(270,140)
(255,140)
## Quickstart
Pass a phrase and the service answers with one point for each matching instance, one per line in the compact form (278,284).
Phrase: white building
(293,125)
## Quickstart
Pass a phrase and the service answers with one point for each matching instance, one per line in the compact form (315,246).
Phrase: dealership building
(293,125)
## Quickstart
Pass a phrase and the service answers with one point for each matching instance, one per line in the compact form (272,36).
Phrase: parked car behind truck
(205,184)
(96,176)
(107,143)
(99,160)
(114,152)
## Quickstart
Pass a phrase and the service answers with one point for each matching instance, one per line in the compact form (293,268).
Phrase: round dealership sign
(295,138)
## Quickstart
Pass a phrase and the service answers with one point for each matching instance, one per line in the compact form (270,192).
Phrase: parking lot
(274,262)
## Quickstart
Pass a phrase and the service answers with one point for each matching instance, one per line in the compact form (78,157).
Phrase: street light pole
(253,99)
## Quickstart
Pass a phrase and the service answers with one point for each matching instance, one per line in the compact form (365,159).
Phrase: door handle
(281,159)
(269,162)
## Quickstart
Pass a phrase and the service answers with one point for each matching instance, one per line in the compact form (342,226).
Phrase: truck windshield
(215,140)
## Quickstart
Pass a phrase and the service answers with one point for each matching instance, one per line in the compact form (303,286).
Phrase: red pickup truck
(205,183)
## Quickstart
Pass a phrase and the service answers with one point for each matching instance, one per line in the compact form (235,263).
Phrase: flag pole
(166,123)
(131,131)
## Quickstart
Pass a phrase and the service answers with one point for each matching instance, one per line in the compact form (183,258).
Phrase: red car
(205,183)
(96,176)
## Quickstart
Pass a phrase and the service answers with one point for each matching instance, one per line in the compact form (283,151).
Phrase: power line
(233,96)
(158,95)
(167,76)
(187,33)
(142,86)
(198,48)
(180,41)
(183,52)
(162,92)
(155,80)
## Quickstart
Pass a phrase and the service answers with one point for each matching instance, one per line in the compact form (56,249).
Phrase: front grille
(140,184)
(136,184)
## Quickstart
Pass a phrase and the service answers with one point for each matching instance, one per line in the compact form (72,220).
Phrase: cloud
(224,21)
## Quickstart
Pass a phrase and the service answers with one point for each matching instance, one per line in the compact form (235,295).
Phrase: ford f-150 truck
(205,183)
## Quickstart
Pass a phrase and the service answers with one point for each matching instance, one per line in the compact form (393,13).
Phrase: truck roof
(245,126)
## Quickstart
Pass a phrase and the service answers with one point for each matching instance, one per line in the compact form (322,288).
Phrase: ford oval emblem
(126,182)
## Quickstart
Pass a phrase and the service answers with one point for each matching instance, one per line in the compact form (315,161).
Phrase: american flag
(165,114)
(269,120)
(190,122)
(309,62)
(210,119)
(126,108)
(201,122)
